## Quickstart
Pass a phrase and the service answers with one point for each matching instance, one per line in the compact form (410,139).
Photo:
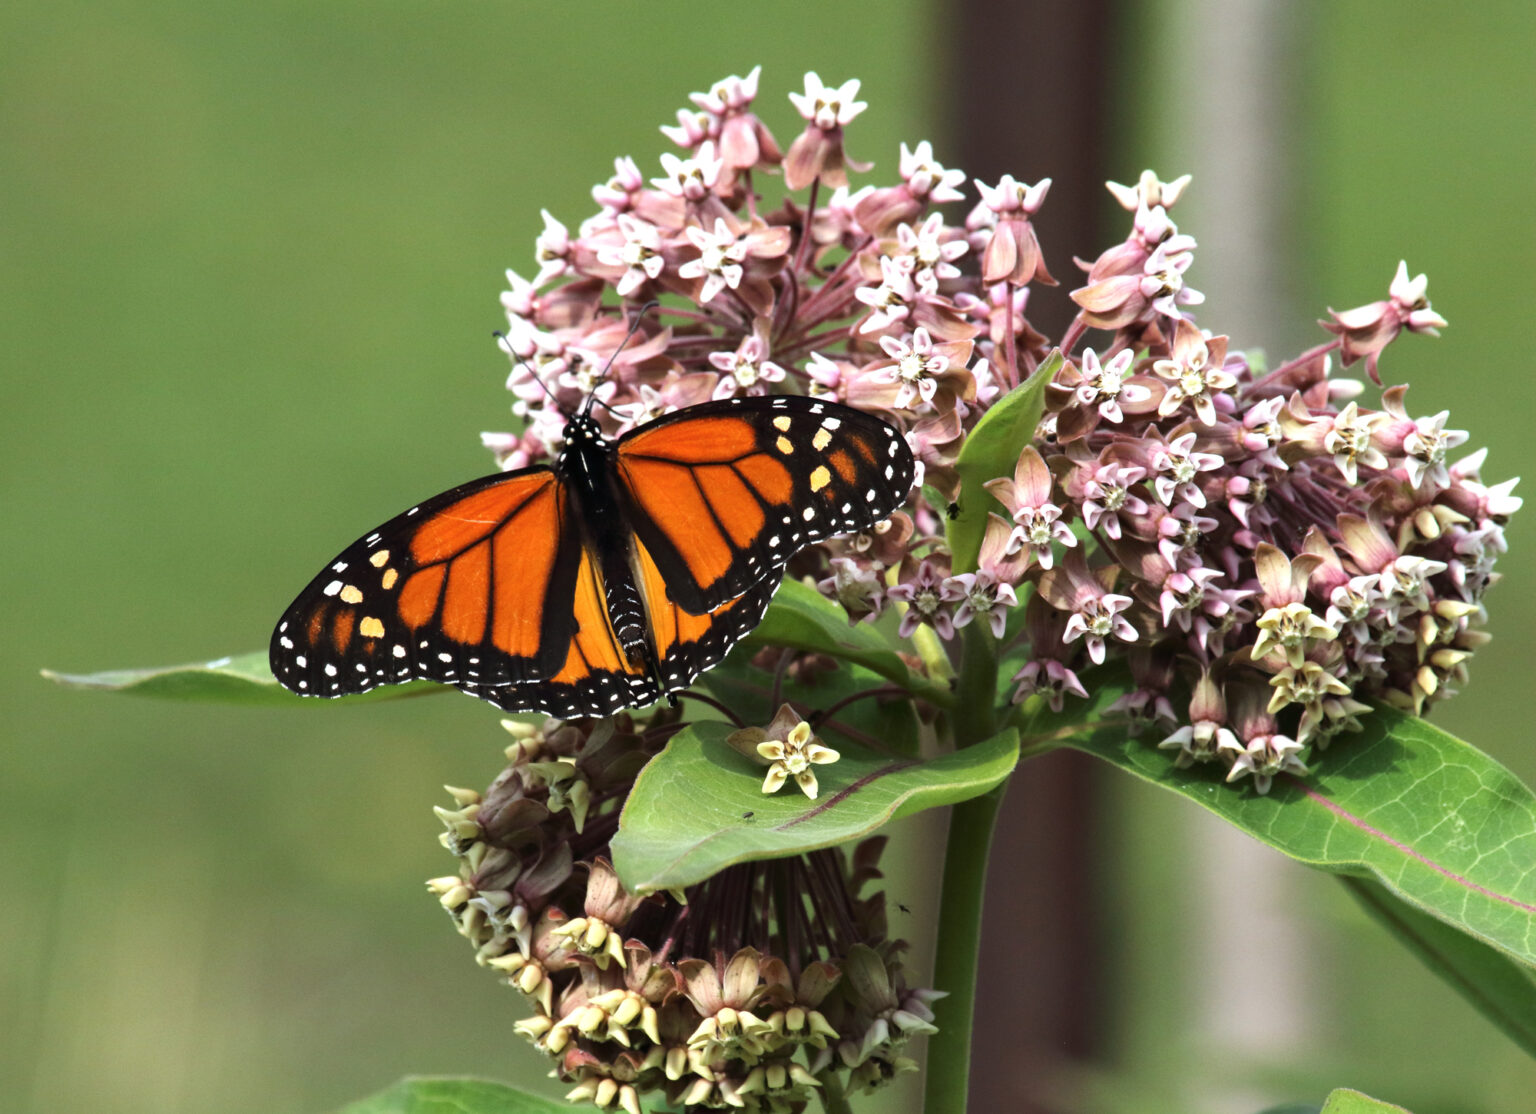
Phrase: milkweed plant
(1243,581)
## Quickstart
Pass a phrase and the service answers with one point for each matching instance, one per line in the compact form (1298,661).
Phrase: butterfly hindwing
(599,679)
(724,493)
(688,644)
(472,587)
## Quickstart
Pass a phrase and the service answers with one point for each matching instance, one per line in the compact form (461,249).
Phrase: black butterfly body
(609,580)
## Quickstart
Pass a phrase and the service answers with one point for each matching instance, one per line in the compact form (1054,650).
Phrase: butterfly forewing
(724,493)
(471,587)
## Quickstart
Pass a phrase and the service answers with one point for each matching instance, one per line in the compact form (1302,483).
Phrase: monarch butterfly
(607,581)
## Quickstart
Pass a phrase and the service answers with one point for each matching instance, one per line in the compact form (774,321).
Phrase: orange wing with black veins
(723,494)
(473,587)
(598,678)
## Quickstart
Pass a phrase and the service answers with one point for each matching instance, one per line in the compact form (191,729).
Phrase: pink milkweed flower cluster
(1261,550)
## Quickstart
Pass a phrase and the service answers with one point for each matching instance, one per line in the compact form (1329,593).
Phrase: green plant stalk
(973,719)
(955,957)
(972,715)
(931,651)
(834,1100)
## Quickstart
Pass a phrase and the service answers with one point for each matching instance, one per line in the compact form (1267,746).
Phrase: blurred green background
(249,260)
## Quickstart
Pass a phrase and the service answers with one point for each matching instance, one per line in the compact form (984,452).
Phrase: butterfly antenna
(524,364)
(633,329)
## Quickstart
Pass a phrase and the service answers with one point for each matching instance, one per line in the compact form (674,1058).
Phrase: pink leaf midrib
(1406,849)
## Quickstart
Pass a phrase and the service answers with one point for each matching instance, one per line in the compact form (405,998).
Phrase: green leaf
(746,690)
(1501,990)
(1438,823)
(244,679)
(1341,1101)
(1345,1101)
(422,1095)
(803,619)
(697,807)
(991,450)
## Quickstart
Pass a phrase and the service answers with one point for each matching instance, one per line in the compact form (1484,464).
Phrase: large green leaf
(453,1096)
(244,679)
(697,807)
(803,619)
(1341,1101)
(991,450)
(1500,989)
(1346,1101)
(1439,824)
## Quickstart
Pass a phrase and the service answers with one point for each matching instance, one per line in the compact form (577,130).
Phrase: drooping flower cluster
(738,992)
(1260,548)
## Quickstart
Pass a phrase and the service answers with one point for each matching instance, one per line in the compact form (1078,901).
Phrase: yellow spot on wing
(820,478)
(371,627)
(822,439)
(379,559)
(351,594)
(390,576)
(781,423)
(784,445)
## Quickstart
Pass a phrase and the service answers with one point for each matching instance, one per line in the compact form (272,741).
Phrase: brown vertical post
(1028,86)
